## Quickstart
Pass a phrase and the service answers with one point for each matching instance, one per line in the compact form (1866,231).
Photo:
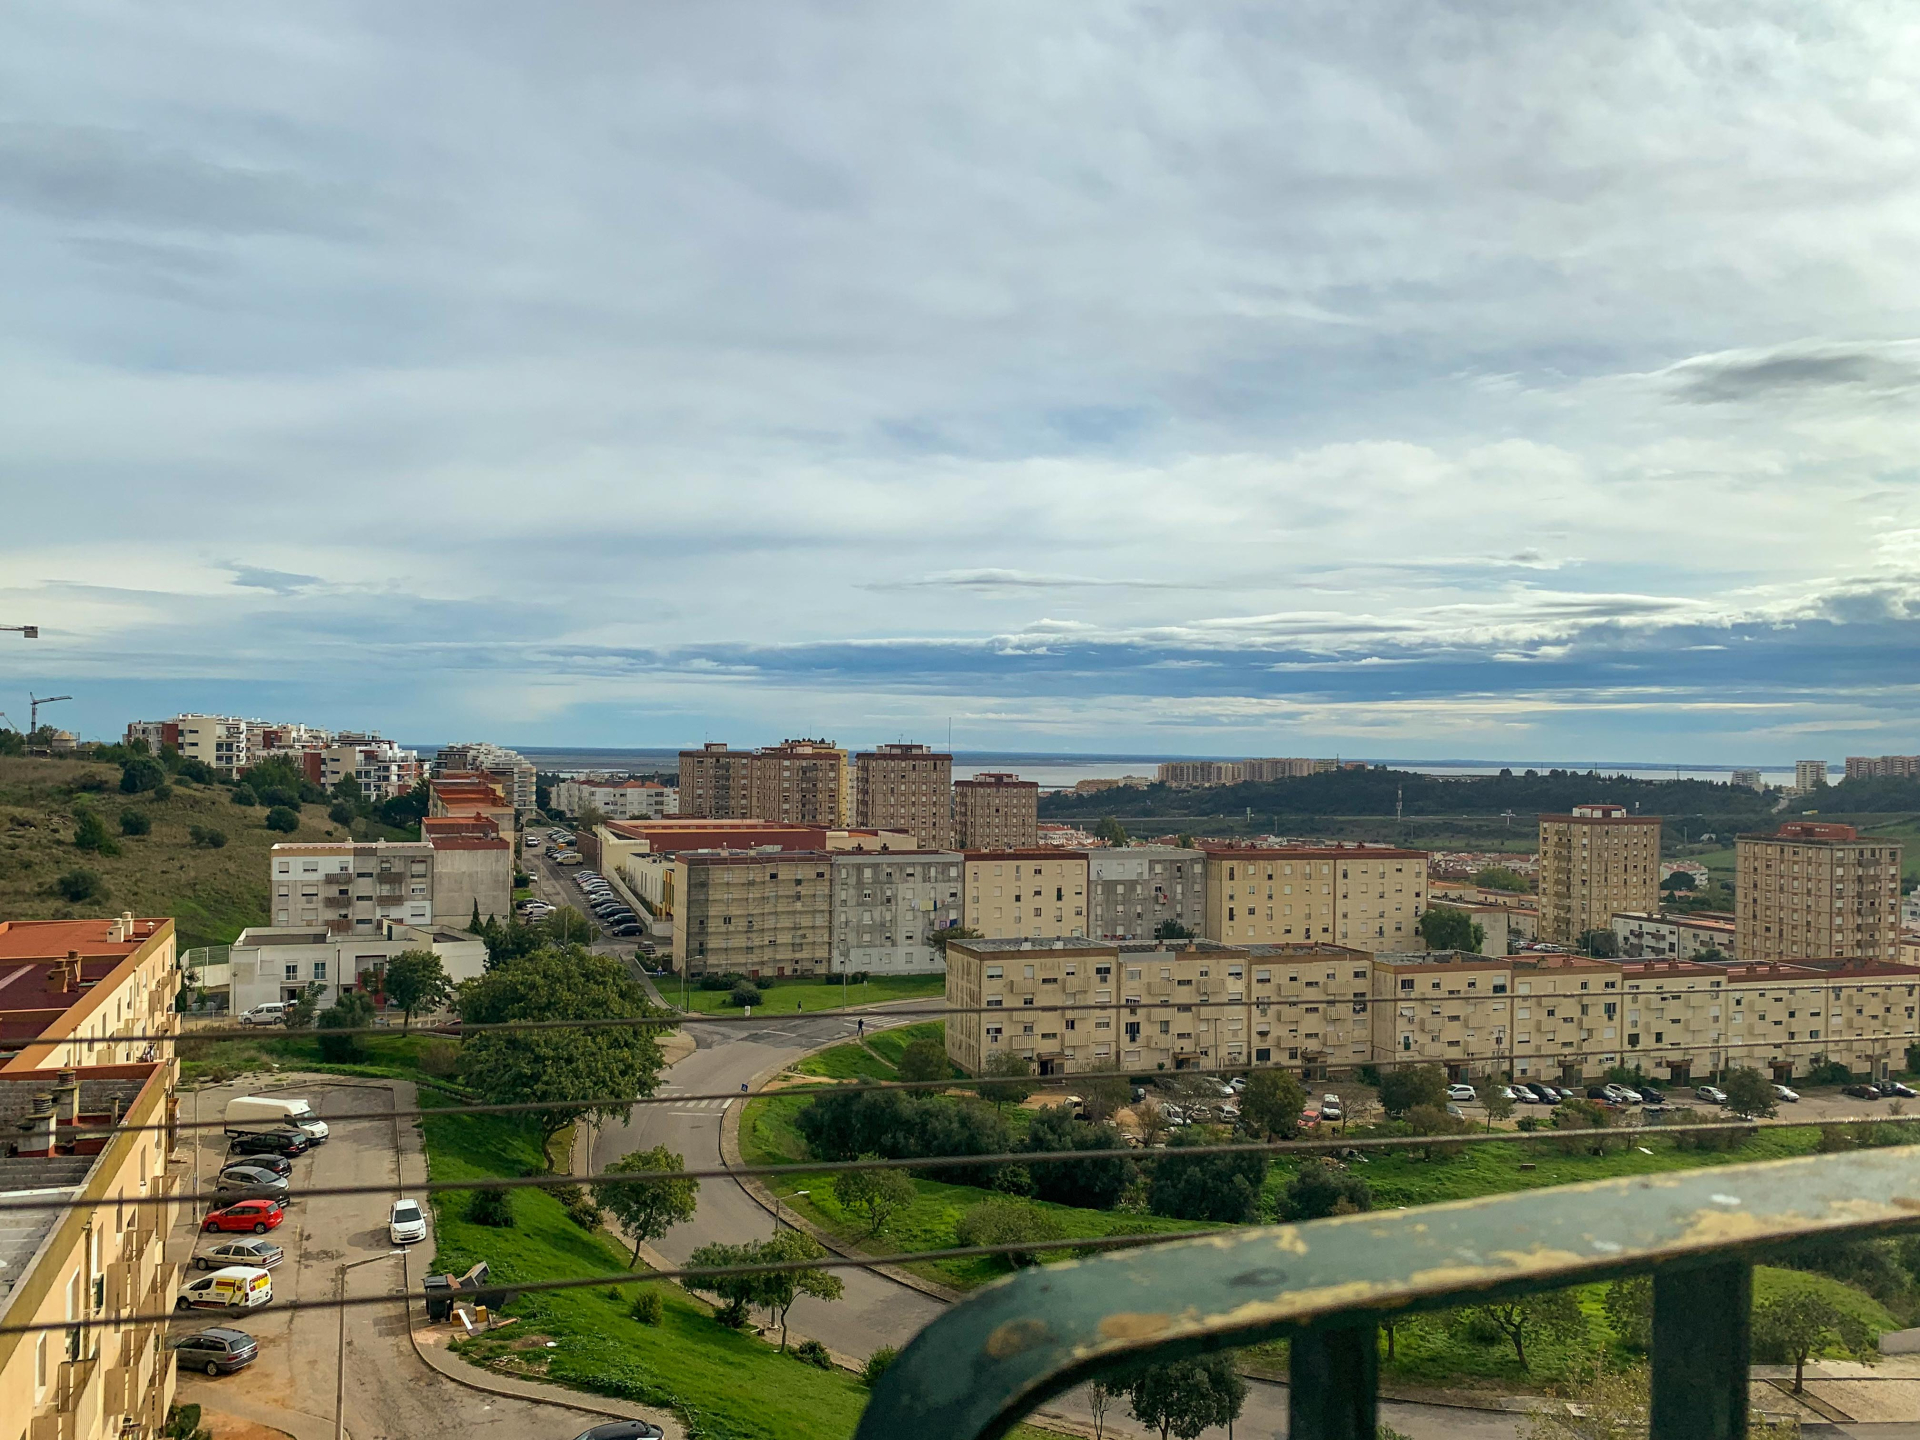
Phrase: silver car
(249,1182)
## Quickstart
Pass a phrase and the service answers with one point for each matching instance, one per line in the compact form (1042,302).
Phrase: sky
(1414,379)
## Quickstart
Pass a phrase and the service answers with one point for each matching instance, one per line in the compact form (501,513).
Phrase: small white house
(279,962)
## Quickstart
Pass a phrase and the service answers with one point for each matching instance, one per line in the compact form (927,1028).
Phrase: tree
(1545,1315)
(1171,929)
(1103,1097)
(1714,955)
(352,1011)
(1445,928)
(561,1066)
(744,993)
(348,789)
(1628,1305)
(300,1014)
(404,811)
(1205,1187)
(1799,1322)
(341,813)
(877,1194)
(737,1291)
(1151,1118)
(1185,1397)
(90,833)
(244,795)
(1501,877)
(1678,880)
(924,1059)
(1318,1189)
(1006,1221)
(937,939)
(646,1209)
(416,980)
(1603,944)
(1270,1106)
(1112,831)
(141,774)
(778,1289)
(135,822)
(78,885)
(206,837)
(1083,1182)
(1101,1394)
(1750,1094)
(283,818)
(1411,1085)
(1006,1078)
(1492,1092)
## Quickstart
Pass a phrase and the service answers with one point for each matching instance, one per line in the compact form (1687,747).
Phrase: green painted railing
(1325,1285)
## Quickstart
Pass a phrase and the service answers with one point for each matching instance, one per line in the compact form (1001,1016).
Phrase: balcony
(1326,1285)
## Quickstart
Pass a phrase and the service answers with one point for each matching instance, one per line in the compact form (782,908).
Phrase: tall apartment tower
(905,787)
(800,782)
(1593,862)
(1809,774)
(996,812)
(717,783)
(1813,891)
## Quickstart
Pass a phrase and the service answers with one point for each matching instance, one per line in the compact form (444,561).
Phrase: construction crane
(37,701)
(9,719)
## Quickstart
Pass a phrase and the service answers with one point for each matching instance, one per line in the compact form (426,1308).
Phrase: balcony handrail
(1326,1284)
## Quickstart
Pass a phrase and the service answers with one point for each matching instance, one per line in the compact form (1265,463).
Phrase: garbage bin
(439,1290)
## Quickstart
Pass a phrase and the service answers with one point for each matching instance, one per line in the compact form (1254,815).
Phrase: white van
(274,1012)
(257,1112)
(238,1287)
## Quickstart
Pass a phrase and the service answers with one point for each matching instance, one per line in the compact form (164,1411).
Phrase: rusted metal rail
(974,1372)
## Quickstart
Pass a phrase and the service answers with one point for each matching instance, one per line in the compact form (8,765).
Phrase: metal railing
(1327,1284)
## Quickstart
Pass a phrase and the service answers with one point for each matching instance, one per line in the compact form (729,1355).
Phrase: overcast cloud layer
(1410,379)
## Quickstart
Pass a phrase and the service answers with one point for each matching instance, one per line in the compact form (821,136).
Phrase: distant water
(1061,771)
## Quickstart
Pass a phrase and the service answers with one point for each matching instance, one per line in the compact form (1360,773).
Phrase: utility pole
(36,702)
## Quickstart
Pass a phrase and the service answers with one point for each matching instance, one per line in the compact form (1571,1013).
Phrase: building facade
(278,963)
(471,793)
(1749,779)
(1593,862)
(1813,890)
(1134,890)
(472,868)
(382,768)
(1675,936)
(801,782)
(995,811)
(351,887)
(216,740)
(905,787)
(617,799)
(753,914)
(1033,893)
(1809,775)
(716,783)
(1367,897)
(1883,767)
(512,771)
(887,909)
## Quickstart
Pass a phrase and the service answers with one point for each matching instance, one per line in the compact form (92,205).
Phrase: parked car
(626,929)
(1621,1094)
(260,1254)
(405,1223)
(622,1430)
(273,1012)
(236,1288)
(1456,1111)
(1237,1084)
(1862,1092)
(1460,1092)
(274,1112)
(282,1144)
(1651,1096)
(277,1164)
(1329,1109)
(1564,1092)
(259,1216)
(218,1351)
(1139,1093)
(1894,1087)
(1711,1094)
(1781,1092)
(1541,1094)
(249,1182)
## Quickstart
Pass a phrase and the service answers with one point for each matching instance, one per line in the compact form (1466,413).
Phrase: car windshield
(405,1214)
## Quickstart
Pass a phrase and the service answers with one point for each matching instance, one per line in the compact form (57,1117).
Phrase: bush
(1084,1183)
(78,885)
(1004,1221)
(812,1352)
(491,1207)
(712,981)
(647,1306)
(924,1059)
(352,1011)
(1205,1187)
(877,1364)
(744,994)
(90,833)
(243,795)
(283,818)
(1321,1188)
(207,837)
(864,1119)
(277,795)
(1829,1072)
(439,1058)
(341,813)
(142,774)
(1413,1085)
(135,822)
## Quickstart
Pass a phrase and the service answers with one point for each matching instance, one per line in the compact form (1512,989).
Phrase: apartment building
(279,962)
(1442,1007)
(802,782)
(218,740)
(716,783)
(1676,936)
(1134,890)
(996,811)
(1195,774)
(1813,890)
(351,887)
(1750,779)
(753,913)
(617,799)
(77,992)
(1594,862)
(887,908)
(470,793)
(382,768)
(905,787)
(512,771)
(1368,897)
(1883,767)
(472,868)
(1809,775)
(1033,892)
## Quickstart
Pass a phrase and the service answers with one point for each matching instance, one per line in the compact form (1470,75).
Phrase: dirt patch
(232,1427)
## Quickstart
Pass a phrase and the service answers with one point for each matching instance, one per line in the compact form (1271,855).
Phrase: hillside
(212,894)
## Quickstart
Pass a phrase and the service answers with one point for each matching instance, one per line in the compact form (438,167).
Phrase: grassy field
(387,1057)
(811,995)
(212,894)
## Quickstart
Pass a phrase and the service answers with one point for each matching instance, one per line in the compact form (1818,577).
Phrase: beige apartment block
(1135,889)
(1368,897)
(1032,893)
(1442,1007)
(888,907)
(800,782)
(351,887)
(1594,862)
(995,811)
(1813,890)
(905,787)
(745,913)
(716,783)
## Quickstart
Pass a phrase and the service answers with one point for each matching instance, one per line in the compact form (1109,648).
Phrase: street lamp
(340,1361)
(27,632)
(776,1209)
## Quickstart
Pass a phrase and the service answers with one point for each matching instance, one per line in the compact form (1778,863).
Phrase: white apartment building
(1135,889)
(617,799)
(886,908)
(218,740)
(383,769)
(279,962)
(515,773)
(352,888)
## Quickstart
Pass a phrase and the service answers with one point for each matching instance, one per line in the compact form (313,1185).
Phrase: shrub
(207,837)
(243,795)
(647,1306)
(283,818)
(90,833)
(1004,1221)
(744,994)
(491,1207)
(904,1125)
(1320,1188)
(78,885)
(341,813)
(713,981)
(585,1214)
(877,1364)
(135,822)
(439,1058)
(1205,1187)
(277,795)
(352,1011)
(1829,1072)
(142,774)
(1085,1183)
(924,1059)
(812,1352)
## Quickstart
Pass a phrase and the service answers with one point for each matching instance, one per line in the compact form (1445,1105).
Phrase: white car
(1781,1092)
(274,1012)
(405,1223)
(1461,1092)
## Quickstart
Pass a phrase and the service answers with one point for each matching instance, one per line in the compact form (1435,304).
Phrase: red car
(259,1216)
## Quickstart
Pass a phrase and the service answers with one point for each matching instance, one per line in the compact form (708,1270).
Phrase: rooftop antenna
(36,701)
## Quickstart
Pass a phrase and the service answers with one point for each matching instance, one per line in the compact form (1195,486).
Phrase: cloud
(1013,580)
(280,582)
(1811,370)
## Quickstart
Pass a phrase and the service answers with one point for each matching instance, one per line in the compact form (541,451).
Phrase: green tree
(1492,1093)
(1628,1304)
(1602,944)
(777,1290)
(1548,1316)
(352,1011)
(1205,1187)
(562,1066)
(737,1291)
(1004,1220)
(283,818)
(1103,1096)
(1798,1323)
(12,742)
(90,833)
(416,980)
(1006,1078)
(1501,877)
(924,1059)
(1083,1182)
(341,813)
(1403,1088)
(81,884)
(1112,831)
(142,774)
(1320,1188)
(300,1014)
(877,1194)
(135,822)
(1171,929)
(1271,1104)
(646,1209)
(206,837)
(1183,1398)
(348,789)
(1750,1094)
(1678,880)
(1445,928)
(244,795)
(938,939)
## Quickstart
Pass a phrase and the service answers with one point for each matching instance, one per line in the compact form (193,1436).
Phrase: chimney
(66,1096)
(37,1128)
(120,931)
(66,973)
